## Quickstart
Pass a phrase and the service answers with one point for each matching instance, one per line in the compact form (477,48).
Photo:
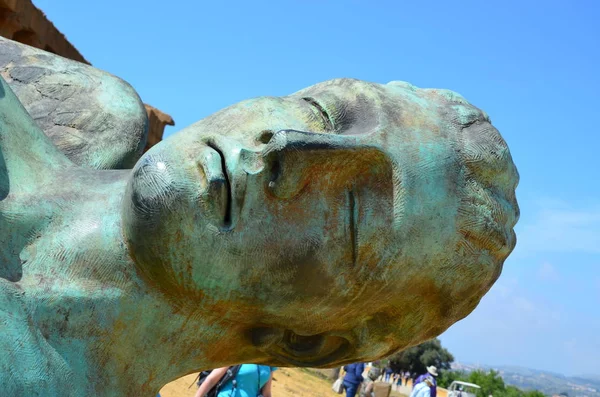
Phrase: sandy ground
(287,382)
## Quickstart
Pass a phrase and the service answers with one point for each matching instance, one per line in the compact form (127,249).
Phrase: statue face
(340,223)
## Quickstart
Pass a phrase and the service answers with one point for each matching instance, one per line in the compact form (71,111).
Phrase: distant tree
(416,359)
(447,377)
(509,391)
(534,393)
(490,382)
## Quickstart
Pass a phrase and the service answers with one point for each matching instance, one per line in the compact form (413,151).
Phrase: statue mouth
(294,349)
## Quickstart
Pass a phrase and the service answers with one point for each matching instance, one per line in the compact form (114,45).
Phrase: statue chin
(157,193)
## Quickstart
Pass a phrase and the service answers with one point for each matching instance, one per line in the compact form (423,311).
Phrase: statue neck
(72,232)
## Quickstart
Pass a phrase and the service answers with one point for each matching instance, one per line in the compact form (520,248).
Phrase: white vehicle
(462,389)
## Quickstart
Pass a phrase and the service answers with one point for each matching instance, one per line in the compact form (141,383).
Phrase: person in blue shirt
(431,374)
(388,373)
(353,378)
(252,380)
(423,389)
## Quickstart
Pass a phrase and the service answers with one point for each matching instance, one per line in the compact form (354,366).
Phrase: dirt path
(287,382)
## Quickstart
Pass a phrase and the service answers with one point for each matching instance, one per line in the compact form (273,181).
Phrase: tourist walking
(251,380)
(353,378)
(367,388)
(423,389)
(388,373)
(431,374)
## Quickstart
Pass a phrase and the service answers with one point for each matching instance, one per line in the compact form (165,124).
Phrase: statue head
(341,223)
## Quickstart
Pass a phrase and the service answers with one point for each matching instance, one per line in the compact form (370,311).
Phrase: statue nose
(293,159)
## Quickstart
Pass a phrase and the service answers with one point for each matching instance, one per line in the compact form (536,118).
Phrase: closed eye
(323,115)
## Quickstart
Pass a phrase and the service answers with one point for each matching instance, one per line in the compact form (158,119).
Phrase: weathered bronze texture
(341,223)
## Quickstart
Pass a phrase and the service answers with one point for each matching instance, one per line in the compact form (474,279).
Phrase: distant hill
(547,382)
(590,376)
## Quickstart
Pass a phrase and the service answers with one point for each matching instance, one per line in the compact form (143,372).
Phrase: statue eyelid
(325,117)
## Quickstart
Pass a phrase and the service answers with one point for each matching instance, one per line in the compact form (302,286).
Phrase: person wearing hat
(424,388)
(431,374)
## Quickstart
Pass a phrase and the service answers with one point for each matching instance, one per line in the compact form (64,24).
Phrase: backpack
(229,375)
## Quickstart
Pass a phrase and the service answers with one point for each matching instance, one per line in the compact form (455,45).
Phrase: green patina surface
(341,223)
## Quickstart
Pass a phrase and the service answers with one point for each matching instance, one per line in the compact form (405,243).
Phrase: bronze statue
(341,223)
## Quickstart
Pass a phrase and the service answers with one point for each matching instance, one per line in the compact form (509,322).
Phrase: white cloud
(541,312)
(515,326)
(547,272)
(570,345)
(522,304)
(555,226)
(504,287)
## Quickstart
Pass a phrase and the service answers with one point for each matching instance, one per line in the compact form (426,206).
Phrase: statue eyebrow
(322,112)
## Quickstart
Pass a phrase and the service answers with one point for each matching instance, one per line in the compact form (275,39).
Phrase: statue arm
(96,119)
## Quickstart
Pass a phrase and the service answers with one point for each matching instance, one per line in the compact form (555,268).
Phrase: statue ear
(27,156)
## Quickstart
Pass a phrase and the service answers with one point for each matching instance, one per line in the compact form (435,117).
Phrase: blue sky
(533,66)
